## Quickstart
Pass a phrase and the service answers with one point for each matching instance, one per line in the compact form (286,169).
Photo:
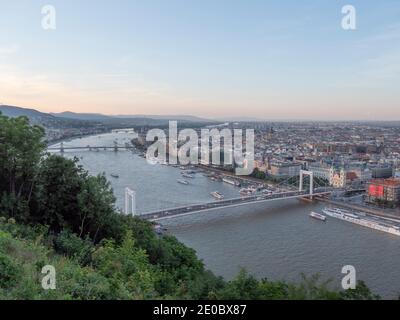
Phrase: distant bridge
(62,148)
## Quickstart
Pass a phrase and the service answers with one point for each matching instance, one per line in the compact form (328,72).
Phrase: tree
(59,183)
(361,292)
(21,148)
(67,197)
(258,174)
(96,208)
(127,267)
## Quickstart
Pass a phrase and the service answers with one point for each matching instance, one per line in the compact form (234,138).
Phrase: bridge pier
(130,195)
(301,185)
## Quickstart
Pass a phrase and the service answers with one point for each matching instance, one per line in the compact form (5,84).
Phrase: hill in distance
(100,117)
(12,112)
(38,117)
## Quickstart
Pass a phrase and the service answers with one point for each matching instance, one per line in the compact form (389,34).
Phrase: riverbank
(233,175)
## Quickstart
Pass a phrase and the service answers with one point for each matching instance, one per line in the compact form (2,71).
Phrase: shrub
(70,245)
(9,272)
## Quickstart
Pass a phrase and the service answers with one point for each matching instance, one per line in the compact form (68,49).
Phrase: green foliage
(246,287)
(66,197)
(9,271)
(70,245)
(258,174)
(126,267)
(312,288)
(21,148)
(361,292)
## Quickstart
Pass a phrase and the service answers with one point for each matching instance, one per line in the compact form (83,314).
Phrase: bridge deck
(89,147)
(191,209)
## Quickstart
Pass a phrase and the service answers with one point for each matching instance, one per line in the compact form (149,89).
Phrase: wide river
(275,240)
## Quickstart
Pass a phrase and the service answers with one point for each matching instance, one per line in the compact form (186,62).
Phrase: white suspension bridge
(313,190)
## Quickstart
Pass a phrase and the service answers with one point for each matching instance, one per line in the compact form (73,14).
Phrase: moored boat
(231,181)
(217,195)
(187,176)
(364,221)
(317,216)
(182,181)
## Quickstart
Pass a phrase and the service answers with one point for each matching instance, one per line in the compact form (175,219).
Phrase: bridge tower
(130,196)
(115,146)
(311,175)
(62,147)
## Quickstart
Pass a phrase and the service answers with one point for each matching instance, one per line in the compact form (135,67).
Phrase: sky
(265,59)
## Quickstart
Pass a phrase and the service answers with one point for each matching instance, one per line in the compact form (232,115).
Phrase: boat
(246,191)
(365,222)
(232,182)
(182,181)
(114,175)
(217,195)
(317,216)
(187,176)
(188,172)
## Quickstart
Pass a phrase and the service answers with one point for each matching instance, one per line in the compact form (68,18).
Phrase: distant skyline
(214,59)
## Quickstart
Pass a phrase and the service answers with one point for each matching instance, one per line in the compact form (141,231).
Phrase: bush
(9,272)
(70,245)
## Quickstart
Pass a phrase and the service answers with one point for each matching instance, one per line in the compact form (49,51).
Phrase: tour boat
(317,216)
(217,195)
(368,222)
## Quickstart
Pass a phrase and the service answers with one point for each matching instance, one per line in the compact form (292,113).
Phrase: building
(342,178)
(320,170)
(384,192)
(260,165)
(382,172)
(285,169)
(337,179)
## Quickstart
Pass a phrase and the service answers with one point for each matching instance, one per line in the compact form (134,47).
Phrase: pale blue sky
(269,59)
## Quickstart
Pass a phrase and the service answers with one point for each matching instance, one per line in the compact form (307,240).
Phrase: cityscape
(199,152)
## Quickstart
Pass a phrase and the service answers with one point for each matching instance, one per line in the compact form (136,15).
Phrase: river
(275,240)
